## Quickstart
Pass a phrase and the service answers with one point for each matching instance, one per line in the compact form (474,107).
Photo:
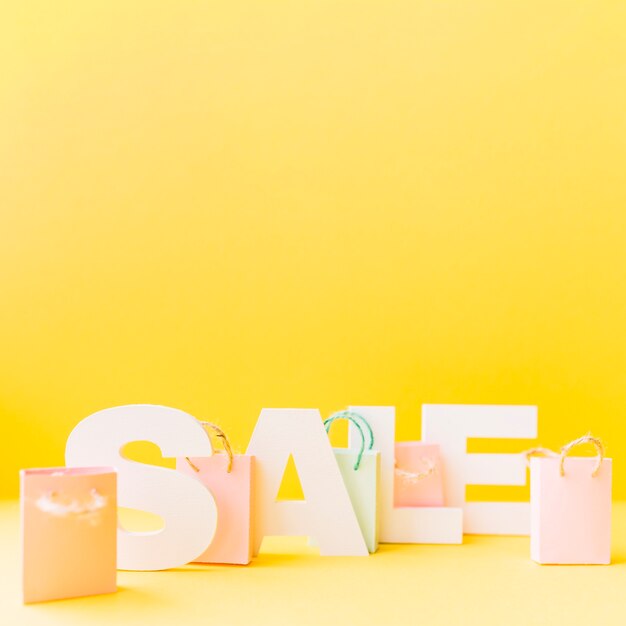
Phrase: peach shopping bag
(570,508)
(69,532)
(418,479)
(229,477)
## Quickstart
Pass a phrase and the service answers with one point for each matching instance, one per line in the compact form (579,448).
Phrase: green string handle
(358,421)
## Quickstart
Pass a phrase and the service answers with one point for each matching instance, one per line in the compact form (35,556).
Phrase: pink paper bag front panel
(69,532)
(570,515)
(414,459)
(232,491)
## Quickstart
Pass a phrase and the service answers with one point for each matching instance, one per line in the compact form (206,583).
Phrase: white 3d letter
(326,514)
(450,425)
(187,507)
(406,524)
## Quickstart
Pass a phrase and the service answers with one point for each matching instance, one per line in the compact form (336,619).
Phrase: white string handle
(415,477)
(53,504)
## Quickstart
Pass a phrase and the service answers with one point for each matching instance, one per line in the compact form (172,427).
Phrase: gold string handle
(539,451)
(578,442)
(212,428)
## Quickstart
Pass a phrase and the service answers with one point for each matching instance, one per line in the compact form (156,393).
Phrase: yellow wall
(221,206)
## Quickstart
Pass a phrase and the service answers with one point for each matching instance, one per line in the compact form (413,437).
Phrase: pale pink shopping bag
(69,532)
(570,508)
(418,479)
(229,477)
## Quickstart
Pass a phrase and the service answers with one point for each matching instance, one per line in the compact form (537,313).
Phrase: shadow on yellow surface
(487,580)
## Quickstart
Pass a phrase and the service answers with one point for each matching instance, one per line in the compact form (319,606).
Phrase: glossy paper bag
(418,479)
(570,504)
(360,470)
(229,477)
(69,532)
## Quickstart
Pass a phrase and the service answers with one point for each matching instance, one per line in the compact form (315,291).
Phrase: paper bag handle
(358,421)
(209,427)
(416,477)
(49,503)
(578,442)
(539,451)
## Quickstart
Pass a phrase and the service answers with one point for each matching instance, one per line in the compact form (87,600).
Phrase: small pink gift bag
(570,508)
(229,477)
(418,479)
(69,532)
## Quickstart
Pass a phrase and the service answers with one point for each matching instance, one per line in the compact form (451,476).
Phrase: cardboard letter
(326,514)
(451,425)
(187,507)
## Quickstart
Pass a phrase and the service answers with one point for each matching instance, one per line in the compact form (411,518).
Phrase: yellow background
(224,206)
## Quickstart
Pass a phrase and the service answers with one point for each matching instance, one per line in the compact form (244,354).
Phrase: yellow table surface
(487,580)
